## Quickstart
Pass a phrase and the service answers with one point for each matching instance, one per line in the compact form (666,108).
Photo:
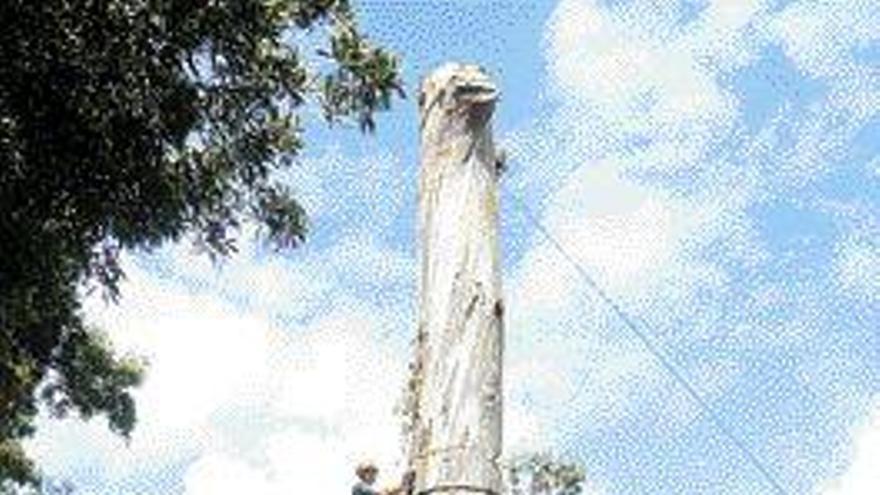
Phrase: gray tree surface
(456,435)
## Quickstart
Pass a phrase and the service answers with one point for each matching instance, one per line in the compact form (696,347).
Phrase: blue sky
(715,165)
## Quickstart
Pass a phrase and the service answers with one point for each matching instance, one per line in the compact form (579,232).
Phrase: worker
(367,473)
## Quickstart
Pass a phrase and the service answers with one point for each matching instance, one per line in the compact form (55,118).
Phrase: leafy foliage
(544,474)
(128,123)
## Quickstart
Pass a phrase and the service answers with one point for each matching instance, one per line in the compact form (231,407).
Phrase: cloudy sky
(714,165)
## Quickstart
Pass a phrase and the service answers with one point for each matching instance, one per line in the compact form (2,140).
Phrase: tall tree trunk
(456,439)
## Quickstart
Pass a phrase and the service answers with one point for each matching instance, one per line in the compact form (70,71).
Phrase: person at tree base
(367,473)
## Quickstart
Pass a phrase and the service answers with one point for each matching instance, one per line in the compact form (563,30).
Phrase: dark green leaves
(284,218)
(15,467)
(544,474)
(365,81)
(128,123)
(89,379)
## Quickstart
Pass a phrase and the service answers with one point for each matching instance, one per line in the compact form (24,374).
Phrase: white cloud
(858,268)
(862,476)
(822,38)
(236,401)
(523,430)
(202,354)
(633,69)
(630,229)
(636,76)
(219,474)
(636,173)
(819,36)
(336,389)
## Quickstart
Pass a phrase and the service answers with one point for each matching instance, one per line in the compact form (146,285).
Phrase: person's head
(367,472)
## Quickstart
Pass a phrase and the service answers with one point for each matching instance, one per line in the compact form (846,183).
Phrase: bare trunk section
(456,437)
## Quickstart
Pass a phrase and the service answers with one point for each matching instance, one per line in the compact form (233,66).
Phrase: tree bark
(456,437)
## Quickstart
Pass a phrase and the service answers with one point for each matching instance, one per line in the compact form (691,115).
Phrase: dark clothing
(363,489)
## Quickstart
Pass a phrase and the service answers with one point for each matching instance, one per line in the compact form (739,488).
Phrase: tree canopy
(544,474)
(128,123)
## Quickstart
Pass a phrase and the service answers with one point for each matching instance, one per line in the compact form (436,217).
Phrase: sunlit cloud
(687,162)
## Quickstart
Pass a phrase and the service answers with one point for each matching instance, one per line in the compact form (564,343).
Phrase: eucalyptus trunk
(456,438)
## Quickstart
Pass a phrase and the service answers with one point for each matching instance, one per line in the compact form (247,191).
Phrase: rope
(661,358)
(452,488)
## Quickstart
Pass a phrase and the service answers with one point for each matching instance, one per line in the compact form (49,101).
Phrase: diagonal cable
(658,354)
